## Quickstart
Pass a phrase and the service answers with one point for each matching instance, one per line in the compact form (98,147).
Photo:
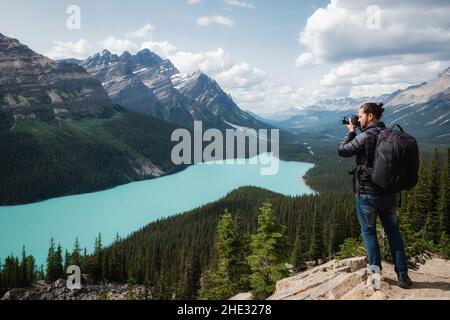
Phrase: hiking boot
(374,278)
(404,281)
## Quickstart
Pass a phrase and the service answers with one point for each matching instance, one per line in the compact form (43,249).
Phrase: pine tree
(84,260)
(421,199)
(75,257)
(11,273)
(316,249)
(191,276)
(433,222)
(31,270)
(51,272)
(59,269)
(55,261)
(269,246)
(418,247)
(299,253)
(116,262)
(443,207)
(434,181)
(24,269)
(351,248)
(97,267)
(40,275)
(67,261)
(444,245)
(218,284)
(240,269)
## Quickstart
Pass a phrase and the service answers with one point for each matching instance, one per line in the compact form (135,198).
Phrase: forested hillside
(44,159)
(171,256)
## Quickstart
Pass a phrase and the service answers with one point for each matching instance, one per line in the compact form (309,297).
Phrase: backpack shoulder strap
(370,146)
(398,126)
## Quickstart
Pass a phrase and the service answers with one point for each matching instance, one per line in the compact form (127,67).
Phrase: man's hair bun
(375,108)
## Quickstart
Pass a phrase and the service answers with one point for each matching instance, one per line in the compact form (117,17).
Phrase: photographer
(372,200)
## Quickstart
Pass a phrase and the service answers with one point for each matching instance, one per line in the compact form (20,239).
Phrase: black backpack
(395,162)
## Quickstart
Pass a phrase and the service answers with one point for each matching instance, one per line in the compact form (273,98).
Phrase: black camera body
(354,119)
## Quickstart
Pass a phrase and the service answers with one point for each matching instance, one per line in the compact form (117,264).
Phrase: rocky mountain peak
(147,83)
(125,56)
(11,42)
(31,84)
(147,58)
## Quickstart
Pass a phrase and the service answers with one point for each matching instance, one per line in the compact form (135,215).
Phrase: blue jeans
(385,205)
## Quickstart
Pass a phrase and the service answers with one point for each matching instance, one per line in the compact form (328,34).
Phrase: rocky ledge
(345,280)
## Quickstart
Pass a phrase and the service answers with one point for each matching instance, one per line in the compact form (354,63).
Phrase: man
(371,200)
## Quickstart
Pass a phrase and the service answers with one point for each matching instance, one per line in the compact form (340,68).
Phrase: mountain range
(422,110)
(61,134)
(146,83)
(70,127)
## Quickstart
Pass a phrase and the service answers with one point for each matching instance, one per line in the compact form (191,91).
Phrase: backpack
(395,162)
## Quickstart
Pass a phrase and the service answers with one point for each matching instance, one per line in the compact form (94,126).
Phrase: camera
(354,119)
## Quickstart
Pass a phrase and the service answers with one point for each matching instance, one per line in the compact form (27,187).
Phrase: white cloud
(219,20)
(306,58)
(118,45)
(339,32)
(241,76)
(77,50)
(412,45)
(360,78)
(193,2)
(269,97)
(240,3)
(163,48)
(251,88)
(142,33)
(210,62)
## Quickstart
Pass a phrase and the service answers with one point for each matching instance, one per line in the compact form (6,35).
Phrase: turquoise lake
(129,207)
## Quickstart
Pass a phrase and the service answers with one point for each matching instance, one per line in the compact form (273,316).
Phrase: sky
(269,55)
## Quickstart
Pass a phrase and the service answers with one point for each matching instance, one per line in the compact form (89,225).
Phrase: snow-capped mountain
(322,113)
(210,98)
(422,110)
(436,89)
(341,104)
(149,84)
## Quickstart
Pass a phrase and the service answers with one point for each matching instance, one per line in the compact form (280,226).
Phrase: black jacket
(356,145)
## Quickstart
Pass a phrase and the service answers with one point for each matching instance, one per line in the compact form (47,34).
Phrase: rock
(369,292)
(7,296)
(60,283)
(39,284)
(354,263)
(243,296)
(344,280)
(35,86)
(45,296)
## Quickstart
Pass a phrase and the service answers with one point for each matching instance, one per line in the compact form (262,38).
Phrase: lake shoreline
(128,208)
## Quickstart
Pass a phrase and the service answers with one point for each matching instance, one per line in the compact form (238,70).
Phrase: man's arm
(351,144)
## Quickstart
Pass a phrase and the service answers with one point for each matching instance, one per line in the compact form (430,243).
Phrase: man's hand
(350,126)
